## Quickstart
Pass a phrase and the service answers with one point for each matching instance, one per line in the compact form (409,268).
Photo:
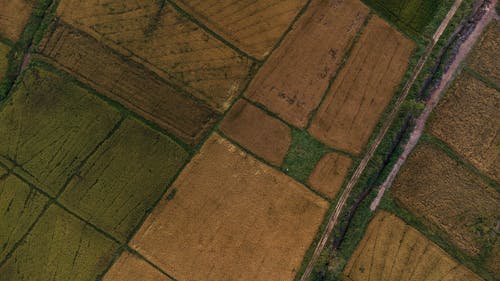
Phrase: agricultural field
(346,118)
(391,250)
(329,174)
(241,219)
(14,15)
(4,60)
(448,197)
(468,120)
(158,36)
(131,268)
(484,57)
(292,82)
(253,26)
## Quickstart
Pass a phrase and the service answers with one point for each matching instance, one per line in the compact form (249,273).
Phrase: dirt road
(333,219)
(436,93)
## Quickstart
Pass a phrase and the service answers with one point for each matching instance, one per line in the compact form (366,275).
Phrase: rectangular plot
(468,119)
(484,56)
(392,251)
(448,198)
(363,88)
(20,206)
(167,42)
(49,126)
(60,248)
(14,15)
(253,26)
(237,219)
(295,77)
(123,178)
(128,83)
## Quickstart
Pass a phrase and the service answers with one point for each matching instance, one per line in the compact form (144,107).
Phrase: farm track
(464,48)
(333,219)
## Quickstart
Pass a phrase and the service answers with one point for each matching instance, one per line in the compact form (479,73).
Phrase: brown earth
(297,74)
(484,57)
(166,42)
(4,60)
(329,174)
(123,178)
(253,26)
(392,251)
(230,217)
(468,119)
(364,88)
(128,83)
(131,268)
(14,15)
(446,196)
(260,133)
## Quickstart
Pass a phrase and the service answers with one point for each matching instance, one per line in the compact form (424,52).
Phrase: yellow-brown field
(230,217)
(165,41)
(364,88)
(456,203)
(131,268)
(484,57)
(4,61)
(253,26)
(468,120)
(14,15)
(393,251)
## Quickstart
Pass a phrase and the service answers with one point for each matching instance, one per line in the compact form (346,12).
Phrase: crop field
(363,88)
(412,15)
(468,120)
(484,57)
(60,247)
(19,208)
(237,220)
(49,126)
(167,42)
(105,191)
(131,268)
(130,84)
(295,77)
(14,15)
(458,204)
(255,130)
(253,26)
(4,61)
(330,173)
(392,250)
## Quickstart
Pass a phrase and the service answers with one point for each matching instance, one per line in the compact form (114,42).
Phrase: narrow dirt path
(333,219)
(435,96)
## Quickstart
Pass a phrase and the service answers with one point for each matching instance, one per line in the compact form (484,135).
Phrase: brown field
(231,217)
(449,198)
(294,79)
(484,57)
(364,88)
(468,120)
(123,179)
(262,134)
(14,15)
(493,260)
(131,268)
(4,60)
(329,174)
(392,251)
(166,42)
(128,83)
(253,26)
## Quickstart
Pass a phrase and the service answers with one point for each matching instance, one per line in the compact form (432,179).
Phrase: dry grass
(295,77)
(4,60)
(448,198)
(253,26)
(363,88)
(230,217)
(329,174)
(14,15)
(156,35)
(484,57)
(468,120)
(393,251)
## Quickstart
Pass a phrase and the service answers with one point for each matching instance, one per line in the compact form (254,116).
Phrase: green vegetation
(20,206)
(48,126)
(105,192)
(60,247)
(305,152)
